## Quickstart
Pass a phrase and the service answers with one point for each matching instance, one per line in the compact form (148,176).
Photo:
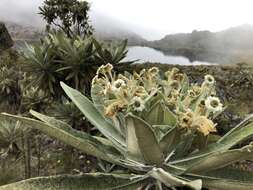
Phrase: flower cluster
(193,105)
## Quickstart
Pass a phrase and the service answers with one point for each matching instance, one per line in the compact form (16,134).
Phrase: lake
(147,54)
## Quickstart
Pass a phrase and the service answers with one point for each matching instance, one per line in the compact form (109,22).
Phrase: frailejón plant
(158,126)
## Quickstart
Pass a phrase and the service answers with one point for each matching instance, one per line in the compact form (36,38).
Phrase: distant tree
(70,16)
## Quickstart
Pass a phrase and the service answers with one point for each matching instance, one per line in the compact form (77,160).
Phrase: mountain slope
(225,46)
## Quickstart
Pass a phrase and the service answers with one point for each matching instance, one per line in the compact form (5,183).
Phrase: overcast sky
(152,18)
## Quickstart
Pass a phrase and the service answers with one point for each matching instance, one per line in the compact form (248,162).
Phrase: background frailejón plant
(72,60)
(158,126)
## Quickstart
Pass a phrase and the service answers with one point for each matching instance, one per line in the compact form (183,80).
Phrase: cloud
(173,16)
(151,19)
(21,11)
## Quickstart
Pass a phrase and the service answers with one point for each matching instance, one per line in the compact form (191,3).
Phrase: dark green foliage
(10,74)
(69,113)
(58,58)
(11,151)
(72,60)
(10,134)
(76,58)
(41,67)
(69,16)
(34,98)
(111,53)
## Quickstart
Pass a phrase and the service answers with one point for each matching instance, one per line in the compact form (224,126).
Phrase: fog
(150,19)
(175,16)
(21,11)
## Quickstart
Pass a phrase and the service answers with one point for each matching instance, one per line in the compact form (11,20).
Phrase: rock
(6,41)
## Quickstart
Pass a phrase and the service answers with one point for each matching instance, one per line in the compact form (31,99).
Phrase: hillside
(102,31)
(231,45)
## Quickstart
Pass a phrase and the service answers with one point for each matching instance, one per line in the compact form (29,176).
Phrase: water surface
(147,54)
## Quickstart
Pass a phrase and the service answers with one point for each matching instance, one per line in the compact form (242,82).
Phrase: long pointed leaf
(219,183)
(235,136)
(160,115)
(133,148)
(231,173)
(218,160)
(231,139)
(226,185)
(93,181)
(79,140)
(93,115)
(146,140)
(170,140)
(57,123)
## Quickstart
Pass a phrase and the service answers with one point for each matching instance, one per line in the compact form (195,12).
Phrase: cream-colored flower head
(100,70)
(167,74)
(185,119)
(154,71)
(173,97)
(174,85)
(171,73)
(97,80)
(204,125)
(108,88)
(174,70)
(191,94)
(201,108)
(108,67)
(120,76)
(140,92)
(138,104)
(213,104)
(209,80)
(112,109)
(196,89)
(104,69)
(178,77)
(117,85)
